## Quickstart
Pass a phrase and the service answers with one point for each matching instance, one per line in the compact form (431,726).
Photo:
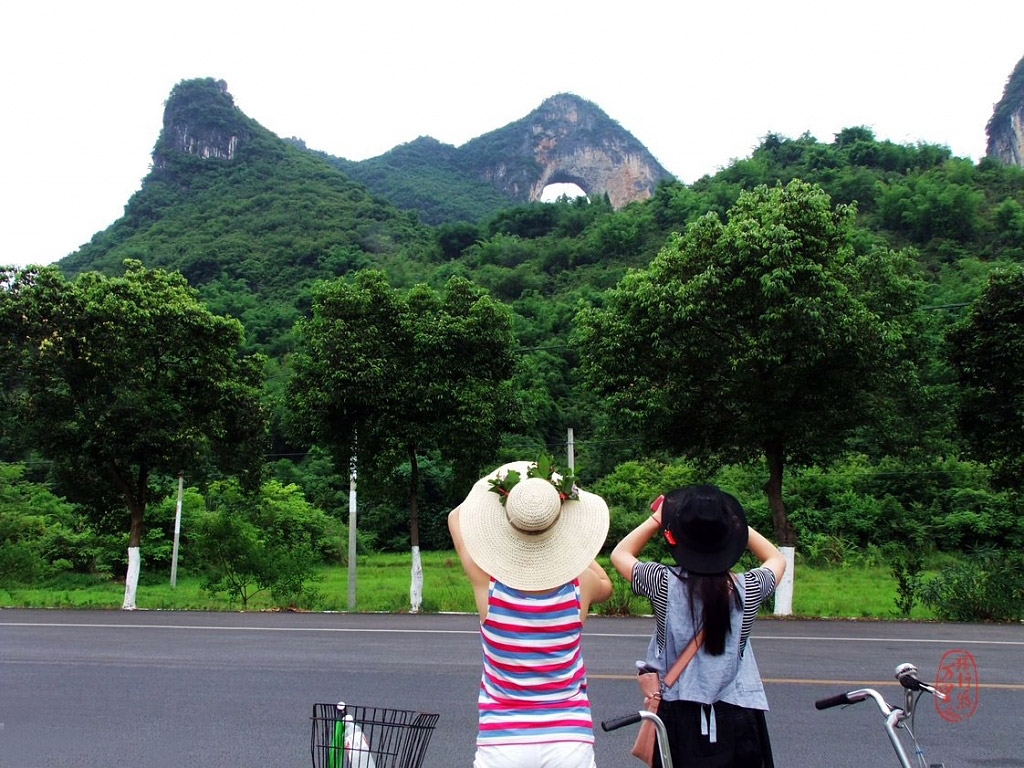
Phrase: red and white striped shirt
(534,685)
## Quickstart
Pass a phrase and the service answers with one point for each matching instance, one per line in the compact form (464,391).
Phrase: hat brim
(531,561)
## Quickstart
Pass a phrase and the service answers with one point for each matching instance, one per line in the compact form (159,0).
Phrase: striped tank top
(534,685)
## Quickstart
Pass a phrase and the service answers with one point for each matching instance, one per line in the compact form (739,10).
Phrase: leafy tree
(987,353)
(763,336)
(245,544)
(119,380)
(456,237)
(940,203)
(253,232)
(396,376)
(525,221)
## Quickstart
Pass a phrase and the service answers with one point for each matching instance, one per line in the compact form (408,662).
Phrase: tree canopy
(987,353)
(118,380)
(764,335)
(253,234)
(393,376)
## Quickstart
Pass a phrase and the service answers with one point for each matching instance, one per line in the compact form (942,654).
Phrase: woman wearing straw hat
(714,710)
(527,545)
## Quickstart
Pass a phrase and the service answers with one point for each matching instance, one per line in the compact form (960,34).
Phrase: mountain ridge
(566,139)
(1005,130)
(246,216)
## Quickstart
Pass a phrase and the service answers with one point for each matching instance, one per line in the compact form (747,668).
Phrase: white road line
(400,631)
(947,641)
(244,628)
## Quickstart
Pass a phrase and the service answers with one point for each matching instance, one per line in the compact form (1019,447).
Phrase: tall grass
(382,585)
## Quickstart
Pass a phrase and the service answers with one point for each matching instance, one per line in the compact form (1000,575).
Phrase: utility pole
(352,534)
(177,532)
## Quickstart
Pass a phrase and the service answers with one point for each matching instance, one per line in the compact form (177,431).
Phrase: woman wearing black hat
(714,710)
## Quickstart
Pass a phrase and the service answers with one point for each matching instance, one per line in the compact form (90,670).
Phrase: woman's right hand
(767,553)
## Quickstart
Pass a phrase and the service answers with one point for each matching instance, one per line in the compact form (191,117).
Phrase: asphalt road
(91,689)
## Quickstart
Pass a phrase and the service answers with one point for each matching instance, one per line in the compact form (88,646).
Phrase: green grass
(866,592)
(382,585)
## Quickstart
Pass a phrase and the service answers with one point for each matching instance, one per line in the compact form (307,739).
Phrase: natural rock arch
(566,140)
(559,177)
(597,170)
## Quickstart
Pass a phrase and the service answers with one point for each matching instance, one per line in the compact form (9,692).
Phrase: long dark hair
(717,596)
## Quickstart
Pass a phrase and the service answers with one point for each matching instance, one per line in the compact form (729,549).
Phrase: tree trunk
(414,485)
(785,535)
(135,500)
(416,581)
(131,580)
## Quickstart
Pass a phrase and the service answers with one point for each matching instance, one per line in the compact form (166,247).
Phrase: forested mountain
(566,139)
(253,221)
(249,219)
(425,176)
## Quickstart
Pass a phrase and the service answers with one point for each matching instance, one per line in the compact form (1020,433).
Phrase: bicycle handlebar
(860,694)
(661,740)
(620,722)
(907,676)
(894,717)
(833,701)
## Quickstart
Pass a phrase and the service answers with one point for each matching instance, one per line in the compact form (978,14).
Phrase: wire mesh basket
(350,736)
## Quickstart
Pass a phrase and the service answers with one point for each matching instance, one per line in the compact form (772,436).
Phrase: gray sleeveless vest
(730,677)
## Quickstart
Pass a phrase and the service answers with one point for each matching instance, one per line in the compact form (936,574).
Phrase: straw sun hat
(535,540)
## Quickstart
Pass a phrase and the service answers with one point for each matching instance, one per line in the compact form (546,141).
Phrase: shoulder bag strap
(684,658)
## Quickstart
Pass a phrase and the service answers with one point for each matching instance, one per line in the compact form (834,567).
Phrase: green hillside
(253,231)
(914,237)
(487,174)
(425,176)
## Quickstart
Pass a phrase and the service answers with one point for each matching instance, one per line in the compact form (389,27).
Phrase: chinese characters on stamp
(957,677)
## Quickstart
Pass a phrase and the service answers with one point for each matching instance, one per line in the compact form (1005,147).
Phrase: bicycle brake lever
(906,674)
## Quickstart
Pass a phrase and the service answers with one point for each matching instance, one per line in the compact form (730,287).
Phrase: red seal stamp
(958,679)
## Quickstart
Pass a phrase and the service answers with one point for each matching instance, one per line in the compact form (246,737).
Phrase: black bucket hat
(704,527)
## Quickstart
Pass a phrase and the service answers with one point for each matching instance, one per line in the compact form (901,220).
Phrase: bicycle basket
(348,736)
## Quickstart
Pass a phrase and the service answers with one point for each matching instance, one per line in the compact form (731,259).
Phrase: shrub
(269,541)
(629,491)
(40,534)
(988,586)
(906,564)
(825,549)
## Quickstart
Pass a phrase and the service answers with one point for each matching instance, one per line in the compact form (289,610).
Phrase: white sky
(83,83)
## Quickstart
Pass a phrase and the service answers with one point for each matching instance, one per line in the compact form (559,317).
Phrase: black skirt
(742,736)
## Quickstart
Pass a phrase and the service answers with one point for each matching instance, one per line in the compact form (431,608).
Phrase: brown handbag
(650,689)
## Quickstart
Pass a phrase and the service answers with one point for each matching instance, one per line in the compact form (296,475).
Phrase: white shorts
(556,754)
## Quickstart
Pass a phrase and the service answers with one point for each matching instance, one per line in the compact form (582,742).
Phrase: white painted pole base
(352,537)
(784,589)
(131,582)
(416,584)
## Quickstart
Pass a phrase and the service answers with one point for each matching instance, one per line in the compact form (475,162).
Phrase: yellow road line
(874,683)
(848,684)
